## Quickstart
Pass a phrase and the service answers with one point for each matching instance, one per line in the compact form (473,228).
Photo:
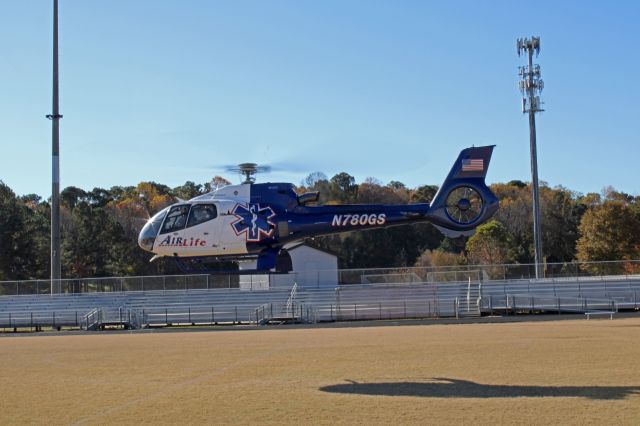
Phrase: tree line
(99,228)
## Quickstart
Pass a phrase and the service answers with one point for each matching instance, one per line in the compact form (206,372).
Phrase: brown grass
(564,372)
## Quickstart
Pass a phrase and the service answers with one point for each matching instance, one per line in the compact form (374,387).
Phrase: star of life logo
(254,221)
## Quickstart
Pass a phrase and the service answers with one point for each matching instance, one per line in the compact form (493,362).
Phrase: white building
(309,267)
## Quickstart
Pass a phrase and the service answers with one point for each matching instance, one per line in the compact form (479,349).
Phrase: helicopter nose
(147,237)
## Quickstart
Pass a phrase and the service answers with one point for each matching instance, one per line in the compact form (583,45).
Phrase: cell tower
(531,86)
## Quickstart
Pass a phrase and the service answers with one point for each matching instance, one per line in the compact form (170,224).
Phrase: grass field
(561,372)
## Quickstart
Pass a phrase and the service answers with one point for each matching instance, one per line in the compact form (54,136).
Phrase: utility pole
(531,86)
(55,165)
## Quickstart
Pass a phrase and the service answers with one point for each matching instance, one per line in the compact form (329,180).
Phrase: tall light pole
(55,164)
(531,86)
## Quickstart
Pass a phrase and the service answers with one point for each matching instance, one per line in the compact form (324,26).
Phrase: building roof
(299,244)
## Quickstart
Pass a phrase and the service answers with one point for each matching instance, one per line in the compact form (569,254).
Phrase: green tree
(489,245)
(317,181)
(99,197)
(71,196)
(313,178)
(187,191)
(38,228)
(560,215)
(424,194)
(24,233)
(343,188)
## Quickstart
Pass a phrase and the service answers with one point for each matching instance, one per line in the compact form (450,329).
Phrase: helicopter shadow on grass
(455,388)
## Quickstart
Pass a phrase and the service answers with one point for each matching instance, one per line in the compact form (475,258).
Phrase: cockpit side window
(176,219)
(201,213)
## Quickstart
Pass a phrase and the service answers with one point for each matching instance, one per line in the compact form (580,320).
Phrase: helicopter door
(230,242)
(201,232)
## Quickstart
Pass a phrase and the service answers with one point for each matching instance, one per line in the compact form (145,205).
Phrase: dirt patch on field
(565,372)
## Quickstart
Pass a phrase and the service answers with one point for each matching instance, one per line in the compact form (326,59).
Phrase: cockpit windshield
(176,219)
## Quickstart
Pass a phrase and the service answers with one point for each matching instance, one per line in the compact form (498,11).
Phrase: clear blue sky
(163,90)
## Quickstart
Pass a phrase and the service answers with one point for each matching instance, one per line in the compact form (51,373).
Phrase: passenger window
(201,213)
(176,219)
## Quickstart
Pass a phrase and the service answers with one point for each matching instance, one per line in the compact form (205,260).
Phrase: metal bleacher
(52,310)
(387,301)
(171,307)
(203,306)
(228,306)
(377,300)
(562,295)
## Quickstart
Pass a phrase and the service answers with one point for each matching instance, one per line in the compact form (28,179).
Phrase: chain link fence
(401,275)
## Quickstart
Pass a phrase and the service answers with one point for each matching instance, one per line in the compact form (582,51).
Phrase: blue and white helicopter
(260,219)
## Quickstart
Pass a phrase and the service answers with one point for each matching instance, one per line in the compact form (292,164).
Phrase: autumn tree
(610,231)
(215,183)
(560,211)
(371,191)
(438,258)
(515,213)
(100,227)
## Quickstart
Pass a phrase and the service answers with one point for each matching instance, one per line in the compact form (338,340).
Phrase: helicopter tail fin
(472,163)
(464,201)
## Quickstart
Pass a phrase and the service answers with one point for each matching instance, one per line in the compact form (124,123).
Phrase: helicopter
(258,220)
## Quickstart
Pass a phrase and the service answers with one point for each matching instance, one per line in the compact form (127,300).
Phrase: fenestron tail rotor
(464,205)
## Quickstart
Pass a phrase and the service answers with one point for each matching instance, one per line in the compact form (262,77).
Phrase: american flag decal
(472,165)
